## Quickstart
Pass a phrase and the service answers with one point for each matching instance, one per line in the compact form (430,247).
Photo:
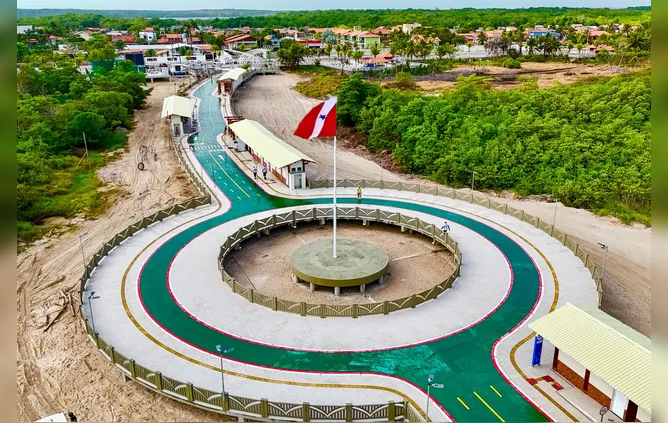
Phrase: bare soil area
(415,264)
(547,74)
(270,100)
(627,286)
(57,367)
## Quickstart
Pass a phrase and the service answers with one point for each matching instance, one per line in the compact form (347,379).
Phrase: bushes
(55,107)
(322,82)
(588,144)
(512,64)
(404,80)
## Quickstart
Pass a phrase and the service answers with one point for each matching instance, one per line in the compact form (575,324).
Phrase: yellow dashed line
(228,175)
(488,406)
(260,379)
(497,392)
(463,403)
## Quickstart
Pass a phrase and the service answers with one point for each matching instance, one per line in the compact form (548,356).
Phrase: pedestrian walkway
(144,322)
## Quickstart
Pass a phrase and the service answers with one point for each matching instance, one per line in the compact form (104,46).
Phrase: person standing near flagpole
(321,122)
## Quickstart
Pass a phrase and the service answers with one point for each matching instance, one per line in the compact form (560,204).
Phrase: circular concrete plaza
(356,263)
(160,301)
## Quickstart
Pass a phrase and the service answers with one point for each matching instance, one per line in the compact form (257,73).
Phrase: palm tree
(626,29)
(638,40)
(579,47)
(444,50)
(345,50)
(482,38)
(532,43)
(187,27)
(357,55)
(374,50)
(215,49)
(411,50)
(551,45)
(120,45)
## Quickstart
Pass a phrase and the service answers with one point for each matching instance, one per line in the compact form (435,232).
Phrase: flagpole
(334,246)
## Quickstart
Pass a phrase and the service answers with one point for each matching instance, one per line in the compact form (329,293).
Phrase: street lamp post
(222,373)
(141,198)
(431,384)
(83,258)
(92,297)
(605,259)
(554,218)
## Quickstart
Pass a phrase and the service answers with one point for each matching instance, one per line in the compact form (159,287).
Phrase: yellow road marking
(463,403)
(488,406)
(260,379)
(521,342)
(497,392)
(228,175)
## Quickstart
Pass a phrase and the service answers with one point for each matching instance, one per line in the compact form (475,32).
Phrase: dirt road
(270,100)
(57,368)
(627,287)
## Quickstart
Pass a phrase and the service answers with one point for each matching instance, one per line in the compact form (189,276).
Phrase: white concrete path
(156,349)
(196,284)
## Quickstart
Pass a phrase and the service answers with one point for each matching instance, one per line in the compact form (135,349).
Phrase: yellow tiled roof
(270,147)
(233,74)
(176,105)
(614,352)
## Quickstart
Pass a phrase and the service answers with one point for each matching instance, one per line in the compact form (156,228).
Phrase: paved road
(474,389)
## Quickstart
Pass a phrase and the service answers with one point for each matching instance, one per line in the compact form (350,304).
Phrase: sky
(312,5)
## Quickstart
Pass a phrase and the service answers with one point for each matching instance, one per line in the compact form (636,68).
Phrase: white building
(408,28)
(147,35)
(83,34)
(607,361)
(230,80)
(284,162)
(179,111)
(22,29)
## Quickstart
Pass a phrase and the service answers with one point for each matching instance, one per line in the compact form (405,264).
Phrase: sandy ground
(627,287)
(270,100)
(546,73)
(264,264)
(57,368)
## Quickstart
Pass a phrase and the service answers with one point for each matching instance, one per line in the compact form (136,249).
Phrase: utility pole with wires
(83,257)
(85,156)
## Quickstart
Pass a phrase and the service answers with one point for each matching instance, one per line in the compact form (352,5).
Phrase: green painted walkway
(462,362)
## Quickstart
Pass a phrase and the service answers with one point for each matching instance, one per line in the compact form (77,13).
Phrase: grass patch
(626,214)
(321,83)
(312,69)
(73,191)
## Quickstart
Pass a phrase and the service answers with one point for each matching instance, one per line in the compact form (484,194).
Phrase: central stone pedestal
(356,264)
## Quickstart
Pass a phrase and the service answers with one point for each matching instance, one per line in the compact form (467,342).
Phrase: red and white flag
(320,121)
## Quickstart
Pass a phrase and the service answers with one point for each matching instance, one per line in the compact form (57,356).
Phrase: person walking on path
(446,227)
(264,172)
(255,172)
(359,195)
